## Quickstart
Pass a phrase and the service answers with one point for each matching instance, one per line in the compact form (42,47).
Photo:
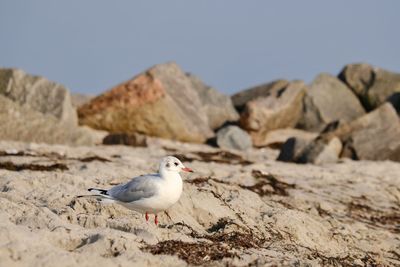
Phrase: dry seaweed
(279,187)
(261,188)
(270,185)
(220,246)
(223,157)
(51,155)
(206,180)
(218,156)
(8,165)
(93,158)
(322,212)
(220,225)
(237,240)
(16,154)
(395,254)
(193,253)
(363,212)
(199,181)
(343,261)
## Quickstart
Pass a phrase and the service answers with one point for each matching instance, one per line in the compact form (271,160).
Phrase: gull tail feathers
(98,191)
(99,194)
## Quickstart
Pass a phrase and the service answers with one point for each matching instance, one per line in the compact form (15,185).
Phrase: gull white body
(169,191)
(151,193)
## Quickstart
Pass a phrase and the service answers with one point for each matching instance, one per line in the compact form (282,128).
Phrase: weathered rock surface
(39,94)
(263,213)
(292,149)
(159,102)
(277,138)
(395,101)
(279,108)
(218,107)
(327,100)
(133,139)
(317,151)
(232,137)
(21,123)
(374,136)
(372,85)
(240,99)
(80,99)
(320,151)
(358,77)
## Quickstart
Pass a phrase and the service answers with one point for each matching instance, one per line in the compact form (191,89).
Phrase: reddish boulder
(274,108)
(159,102)
(327,100)
(372,85)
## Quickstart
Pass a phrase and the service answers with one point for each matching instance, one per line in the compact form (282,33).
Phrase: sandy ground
(245,210)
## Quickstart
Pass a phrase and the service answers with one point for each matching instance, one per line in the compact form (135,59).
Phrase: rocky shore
(286,173)
(236,210)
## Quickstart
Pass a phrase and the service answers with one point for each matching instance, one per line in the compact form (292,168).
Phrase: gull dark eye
(176,163)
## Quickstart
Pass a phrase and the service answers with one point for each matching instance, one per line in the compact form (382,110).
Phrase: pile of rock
(163,102)
(269,107)
(352,115)
(328,119)
(336,108)
(230,213)
(33,109)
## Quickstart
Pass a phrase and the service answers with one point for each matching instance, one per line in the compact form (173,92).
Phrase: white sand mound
(236,210)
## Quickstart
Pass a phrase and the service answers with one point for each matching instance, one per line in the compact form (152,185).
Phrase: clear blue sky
(89,46)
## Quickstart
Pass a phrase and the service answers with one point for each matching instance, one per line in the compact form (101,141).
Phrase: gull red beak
(186,169)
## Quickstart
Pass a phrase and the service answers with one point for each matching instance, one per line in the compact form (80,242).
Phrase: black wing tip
(102,191)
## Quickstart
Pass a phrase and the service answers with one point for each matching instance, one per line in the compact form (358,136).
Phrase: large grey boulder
(395,101)
(358,77)
(328,100)
(372,85)
(292,149)
(133,139)
(21,123)
(232,137)
(374,136)
(321,151)
(218,107)
(39,94)
(276,138)
(160,102)
(241,98)
(317,151)
(278,107)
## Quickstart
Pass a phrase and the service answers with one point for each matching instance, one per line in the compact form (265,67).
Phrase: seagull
(150,193)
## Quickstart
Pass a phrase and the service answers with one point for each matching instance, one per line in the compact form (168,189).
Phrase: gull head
(173,164)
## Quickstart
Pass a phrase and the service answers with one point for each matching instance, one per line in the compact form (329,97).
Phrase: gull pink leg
(147,217)
(155,219)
